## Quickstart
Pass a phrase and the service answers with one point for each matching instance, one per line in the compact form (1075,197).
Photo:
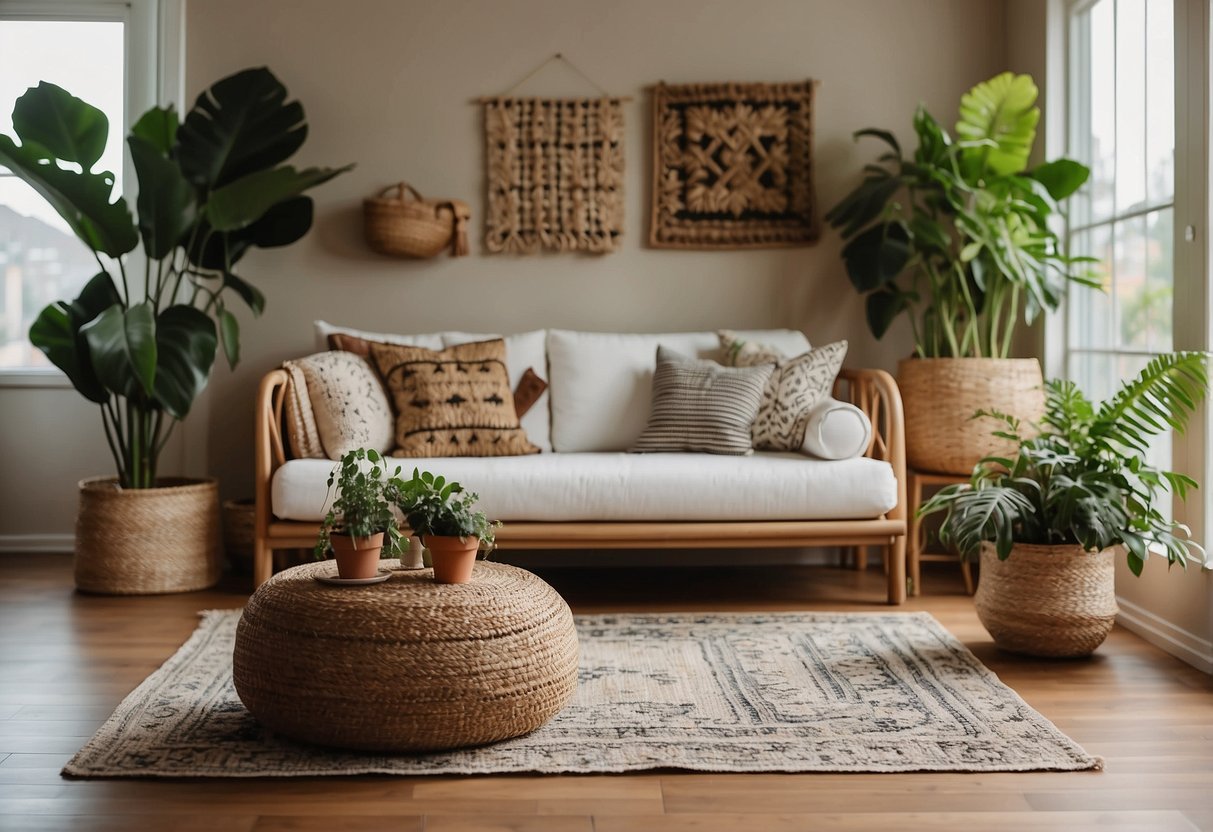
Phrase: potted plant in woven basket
(360,526)
(1049,519)
(140,339)
(441,513)
(957,238)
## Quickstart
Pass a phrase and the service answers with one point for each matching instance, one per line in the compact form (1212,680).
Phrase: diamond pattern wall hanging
(733,166)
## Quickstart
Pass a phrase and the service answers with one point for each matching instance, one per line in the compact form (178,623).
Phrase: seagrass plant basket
(400,222)
(1053,601)
(148,541)
(940,396)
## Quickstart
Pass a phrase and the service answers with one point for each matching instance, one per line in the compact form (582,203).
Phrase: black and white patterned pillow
(699,405)
(796,385)
(348,401)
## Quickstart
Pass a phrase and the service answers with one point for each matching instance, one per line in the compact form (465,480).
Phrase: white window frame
(154,43)
(1192,314)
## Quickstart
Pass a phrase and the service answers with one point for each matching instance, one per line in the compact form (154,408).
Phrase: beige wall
(389,85)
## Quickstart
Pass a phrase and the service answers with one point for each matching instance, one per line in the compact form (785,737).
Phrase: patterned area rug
(880,692)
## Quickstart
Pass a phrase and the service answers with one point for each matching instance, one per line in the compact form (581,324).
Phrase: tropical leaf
(997,125)
(56,332)
(186,342)
(158,127)
(64,126)
(1164,394)
(166,199)
(241,203)
(122,346)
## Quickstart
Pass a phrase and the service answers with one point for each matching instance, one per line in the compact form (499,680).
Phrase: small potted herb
(360,526)
(441,514)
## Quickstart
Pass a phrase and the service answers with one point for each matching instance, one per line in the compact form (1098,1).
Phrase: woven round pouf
(407,664)
(1055,601)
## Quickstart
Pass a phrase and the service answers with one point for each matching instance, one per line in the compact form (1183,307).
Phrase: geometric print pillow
(796,385)
(452,402)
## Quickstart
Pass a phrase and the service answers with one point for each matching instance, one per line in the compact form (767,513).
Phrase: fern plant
(1083,478)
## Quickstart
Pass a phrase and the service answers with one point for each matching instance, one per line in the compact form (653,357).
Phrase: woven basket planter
(239,522)
(147,541)
(940,396)
(1055,601)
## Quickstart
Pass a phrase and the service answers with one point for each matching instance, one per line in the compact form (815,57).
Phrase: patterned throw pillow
(452,402)
(348,403)
(795,386)
(699,405)
(302,437)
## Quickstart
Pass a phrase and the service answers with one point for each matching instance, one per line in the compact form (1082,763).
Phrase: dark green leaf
(240,125)
(249,293)
(241,203)
(122,347)
(63,125)
(1061,177)
(186,341)
(884,135)
(166,200)
(82,199)
(882,308)
(158,127)
(56,332)
(875,257)
(229,331)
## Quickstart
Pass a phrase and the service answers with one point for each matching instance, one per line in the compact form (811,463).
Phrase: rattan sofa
(873,391)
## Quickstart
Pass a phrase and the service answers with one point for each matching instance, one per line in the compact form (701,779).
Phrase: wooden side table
(916,543)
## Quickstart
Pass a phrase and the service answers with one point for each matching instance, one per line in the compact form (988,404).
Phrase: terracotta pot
(453,557)
(146,541)
(357,557)
(940,396)
(1055,601)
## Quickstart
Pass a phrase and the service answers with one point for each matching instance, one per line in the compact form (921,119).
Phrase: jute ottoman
(408,664)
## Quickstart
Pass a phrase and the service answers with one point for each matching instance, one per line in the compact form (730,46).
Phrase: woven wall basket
(1056,601)
(145,541)
(940,395)
(401,222)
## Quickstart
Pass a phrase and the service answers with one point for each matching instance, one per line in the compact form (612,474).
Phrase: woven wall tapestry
(555,174)
(733,166)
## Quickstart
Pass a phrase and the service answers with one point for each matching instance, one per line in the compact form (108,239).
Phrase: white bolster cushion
(836,430)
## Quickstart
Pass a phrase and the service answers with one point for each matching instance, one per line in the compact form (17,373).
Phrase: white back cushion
(601,382)
(524,350)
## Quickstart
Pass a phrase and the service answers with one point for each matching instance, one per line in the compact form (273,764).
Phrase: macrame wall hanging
(733,166)
(554,171)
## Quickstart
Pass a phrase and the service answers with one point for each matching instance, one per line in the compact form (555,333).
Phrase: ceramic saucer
(333,580)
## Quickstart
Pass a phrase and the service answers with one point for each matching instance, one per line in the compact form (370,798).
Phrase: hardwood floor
(66,660)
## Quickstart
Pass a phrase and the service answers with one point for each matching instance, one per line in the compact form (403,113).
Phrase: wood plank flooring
(66,660)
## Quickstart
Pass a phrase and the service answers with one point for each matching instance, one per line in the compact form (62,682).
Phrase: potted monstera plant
(957,238)
(140,339)
(442,514)
(1049,520)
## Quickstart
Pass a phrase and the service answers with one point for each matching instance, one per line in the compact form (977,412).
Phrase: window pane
(1160,102)
(40,259)
(1093,373)
(1090,310)
(1130,104)
(1094,110)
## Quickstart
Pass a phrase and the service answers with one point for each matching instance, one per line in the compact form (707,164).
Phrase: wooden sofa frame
(873,391)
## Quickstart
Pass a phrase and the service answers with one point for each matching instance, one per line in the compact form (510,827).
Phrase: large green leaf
(243,202)
(122,345)
(56,332)
(249,293)
(997,125)
(877,256)
(63,125)
(229,333)
(166,199)
(1061,177)
(882,308)
(240,125)
(186,342)
(82,199)
(158,127)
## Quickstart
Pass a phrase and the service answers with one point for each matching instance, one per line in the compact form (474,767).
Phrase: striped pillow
(701,406)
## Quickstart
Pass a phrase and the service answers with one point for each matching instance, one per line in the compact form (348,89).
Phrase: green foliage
(1084,477)
(433,506)
(958,235)
(363,506)
(210,189)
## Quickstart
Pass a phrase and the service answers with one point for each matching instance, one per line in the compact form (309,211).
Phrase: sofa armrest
(269,452)
(876,393)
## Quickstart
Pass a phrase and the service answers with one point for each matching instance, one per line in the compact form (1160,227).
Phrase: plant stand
(916,545)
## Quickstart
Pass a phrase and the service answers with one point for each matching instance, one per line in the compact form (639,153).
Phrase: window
(122,56)
(40,259)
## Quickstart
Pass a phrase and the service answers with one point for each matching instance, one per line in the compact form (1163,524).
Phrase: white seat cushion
(636,487)
(601,382)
